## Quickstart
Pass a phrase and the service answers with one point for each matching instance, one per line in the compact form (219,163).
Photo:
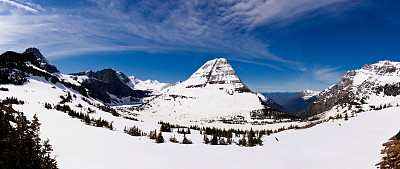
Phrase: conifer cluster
(391,153)
(84,117)
(134,131)
(21,145)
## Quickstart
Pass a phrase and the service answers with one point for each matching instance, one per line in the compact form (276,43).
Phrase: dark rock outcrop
(43,62)
(107,82)
(15,68)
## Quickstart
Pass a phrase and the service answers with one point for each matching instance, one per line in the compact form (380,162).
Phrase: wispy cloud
(22,6)
(327,74)
(217,27)
(258,63)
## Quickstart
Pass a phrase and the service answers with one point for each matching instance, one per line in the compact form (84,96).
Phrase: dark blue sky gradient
(310,50)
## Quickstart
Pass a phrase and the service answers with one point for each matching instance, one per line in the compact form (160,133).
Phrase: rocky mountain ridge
(372,86)
(109,86)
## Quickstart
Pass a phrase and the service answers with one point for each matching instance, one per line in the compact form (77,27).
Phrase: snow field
(352,144)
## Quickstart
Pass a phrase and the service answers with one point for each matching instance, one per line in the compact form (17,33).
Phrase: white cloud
(21,6)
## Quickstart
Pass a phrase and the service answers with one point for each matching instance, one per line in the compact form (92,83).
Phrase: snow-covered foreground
(353,144)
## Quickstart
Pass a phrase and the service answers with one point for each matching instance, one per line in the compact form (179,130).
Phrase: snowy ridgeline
(354,143)
(373,87)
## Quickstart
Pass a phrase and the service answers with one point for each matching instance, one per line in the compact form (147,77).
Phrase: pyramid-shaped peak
(216,72)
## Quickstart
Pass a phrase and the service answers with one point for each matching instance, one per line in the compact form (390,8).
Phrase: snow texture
(354,144)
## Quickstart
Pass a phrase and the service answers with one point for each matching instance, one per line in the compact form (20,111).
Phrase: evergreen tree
(391,154)
(153,134)
(214,140)
(160,138)
(250,138)
(205,139)
(173,139)
(243,140)
(185,140)
(20,144)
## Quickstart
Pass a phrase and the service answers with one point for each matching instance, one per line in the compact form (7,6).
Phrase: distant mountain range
(280,97)
(213,92)
(293,102)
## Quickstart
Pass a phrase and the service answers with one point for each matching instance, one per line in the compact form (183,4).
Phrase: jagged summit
(44,63)
(149,85)
(219,72)
(307,94)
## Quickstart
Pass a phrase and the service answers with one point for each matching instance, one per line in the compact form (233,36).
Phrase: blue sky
(273,45)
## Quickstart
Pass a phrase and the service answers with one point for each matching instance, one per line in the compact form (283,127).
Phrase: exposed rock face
(109,86)
(14,67)
(217,71)
(365,86)
(43,62)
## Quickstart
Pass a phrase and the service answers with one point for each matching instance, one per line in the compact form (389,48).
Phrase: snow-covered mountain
(149,85)
(371,87)
(213,92)
(308,94)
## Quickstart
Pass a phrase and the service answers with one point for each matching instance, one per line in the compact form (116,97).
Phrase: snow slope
(353,144)
(150,85)
(307,94)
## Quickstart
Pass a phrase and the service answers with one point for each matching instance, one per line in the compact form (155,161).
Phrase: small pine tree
(153,134)
(243,140)
(346,117)
(160,138)
(205,139)
(185,140)
(214,140)
(173,139)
